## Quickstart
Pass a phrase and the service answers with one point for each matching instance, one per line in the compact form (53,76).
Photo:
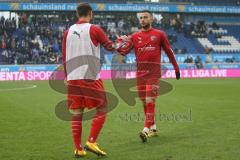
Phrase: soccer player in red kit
(83,40)
(147,43)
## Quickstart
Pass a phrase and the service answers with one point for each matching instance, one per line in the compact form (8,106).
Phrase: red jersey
(148,46)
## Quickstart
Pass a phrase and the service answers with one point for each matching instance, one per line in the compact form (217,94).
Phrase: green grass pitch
(206,124)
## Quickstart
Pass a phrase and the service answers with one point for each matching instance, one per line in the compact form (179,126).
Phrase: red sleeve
(64,51)
(99,36)
(168,50)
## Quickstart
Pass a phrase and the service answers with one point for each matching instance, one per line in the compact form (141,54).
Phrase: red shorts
(148,88)
(86,94)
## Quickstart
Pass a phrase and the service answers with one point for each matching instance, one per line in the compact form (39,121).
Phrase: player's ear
(91,14)
(138,16)
(151,18)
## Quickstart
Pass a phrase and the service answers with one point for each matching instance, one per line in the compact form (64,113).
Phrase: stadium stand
(37,39)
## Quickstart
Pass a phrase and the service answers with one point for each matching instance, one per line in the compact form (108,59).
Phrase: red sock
(97,124)
(150,114)
(77,130)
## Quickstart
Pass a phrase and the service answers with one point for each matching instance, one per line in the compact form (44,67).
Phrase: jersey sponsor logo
(146,49)
(76,33)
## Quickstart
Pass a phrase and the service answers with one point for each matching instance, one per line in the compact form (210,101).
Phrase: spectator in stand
(52,59)
(35,54)
(208,50)
(198,62)
(208,58)
(215,26)
(238,2)
(189,59)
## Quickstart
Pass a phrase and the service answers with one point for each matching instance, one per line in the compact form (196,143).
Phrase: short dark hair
(144,11)
(83,9)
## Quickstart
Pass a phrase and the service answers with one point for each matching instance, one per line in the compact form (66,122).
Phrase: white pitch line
(17,89)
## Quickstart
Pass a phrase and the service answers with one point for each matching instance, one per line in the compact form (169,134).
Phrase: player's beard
(146,27)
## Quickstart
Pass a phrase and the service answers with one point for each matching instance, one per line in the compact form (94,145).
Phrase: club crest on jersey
(76,33)
(153,38)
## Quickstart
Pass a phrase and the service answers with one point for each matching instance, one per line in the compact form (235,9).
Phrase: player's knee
(149,100)
(76,111)
(102,109)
